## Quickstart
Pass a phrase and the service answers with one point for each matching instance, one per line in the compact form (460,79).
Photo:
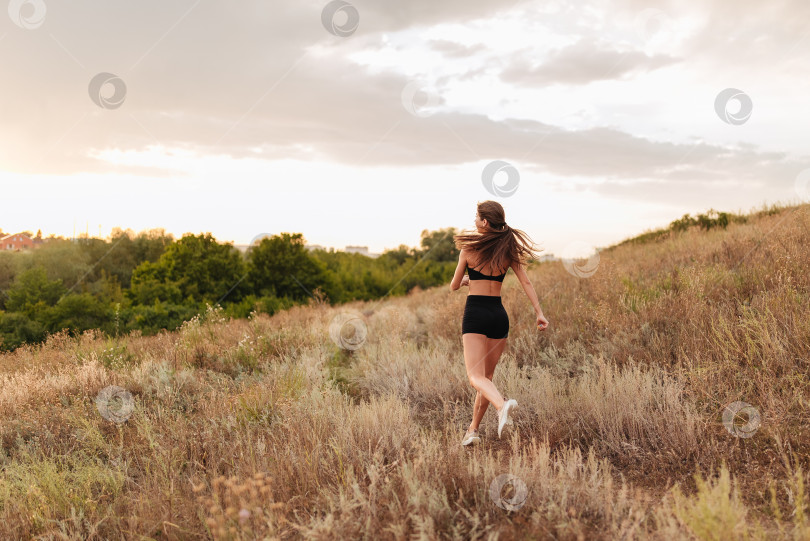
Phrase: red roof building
(18,242)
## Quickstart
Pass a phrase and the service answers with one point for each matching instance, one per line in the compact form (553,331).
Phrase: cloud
(453,49)
(754,35)
(582,63)
(218,80)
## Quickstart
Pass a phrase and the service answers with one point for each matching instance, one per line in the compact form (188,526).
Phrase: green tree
(17,329)
(439,245)
(150,283)
(32,292)
(195,268)
(7,272)
(64,260)
(78,312)
(150,245)
(280,266)
(682,224)
(152,318)
(399,256)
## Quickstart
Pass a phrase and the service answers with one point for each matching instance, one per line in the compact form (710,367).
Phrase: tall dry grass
(265,429)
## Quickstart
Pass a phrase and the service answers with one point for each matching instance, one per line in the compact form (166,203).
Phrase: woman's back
(484,280)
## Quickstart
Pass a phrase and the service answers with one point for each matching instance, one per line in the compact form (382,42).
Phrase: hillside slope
(268,427)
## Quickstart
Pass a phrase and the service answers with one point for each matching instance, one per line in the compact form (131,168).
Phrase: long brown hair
(500,244)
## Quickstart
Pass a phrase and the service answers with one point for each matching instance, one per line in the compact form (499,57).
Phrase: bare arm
(459,275)
(520,272)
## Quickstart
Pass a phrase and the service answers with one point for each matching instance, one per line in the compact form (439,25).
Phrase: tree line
(150,281)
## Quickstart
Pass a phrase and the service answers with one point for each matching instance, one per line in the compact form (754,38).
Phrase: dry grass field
(266,429)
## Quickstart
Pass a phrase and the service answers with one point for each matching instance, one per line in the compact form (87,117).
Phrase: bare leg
(475,360)
(495,347)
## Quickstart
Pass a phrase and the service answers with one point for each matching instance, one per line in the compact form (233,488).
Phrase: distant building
(20,241)
(356,250)
(363,250)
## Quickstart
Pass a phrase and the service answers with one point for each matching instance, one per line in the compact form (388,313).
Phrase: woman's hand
(542,322)
(466,280)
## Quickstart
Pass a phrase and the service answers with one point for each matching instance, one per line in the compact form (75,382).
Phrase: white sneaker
(471,438)
(503,415)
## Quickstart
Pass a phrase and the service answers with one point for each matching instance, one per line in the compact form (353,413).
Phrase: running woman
(492,248)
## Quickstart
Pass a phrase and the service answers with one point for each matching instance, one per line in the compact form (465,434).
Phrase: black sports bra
(475,275)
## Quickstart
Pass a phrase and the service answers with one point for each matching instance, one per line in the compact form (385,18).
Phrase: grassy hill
(266,428)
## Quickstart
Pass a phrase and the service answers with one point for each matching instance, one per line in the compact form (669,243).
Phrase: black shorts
(485,314)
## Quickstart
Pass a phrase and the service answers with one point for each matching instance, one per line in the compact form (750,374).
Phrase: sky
(365,123)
